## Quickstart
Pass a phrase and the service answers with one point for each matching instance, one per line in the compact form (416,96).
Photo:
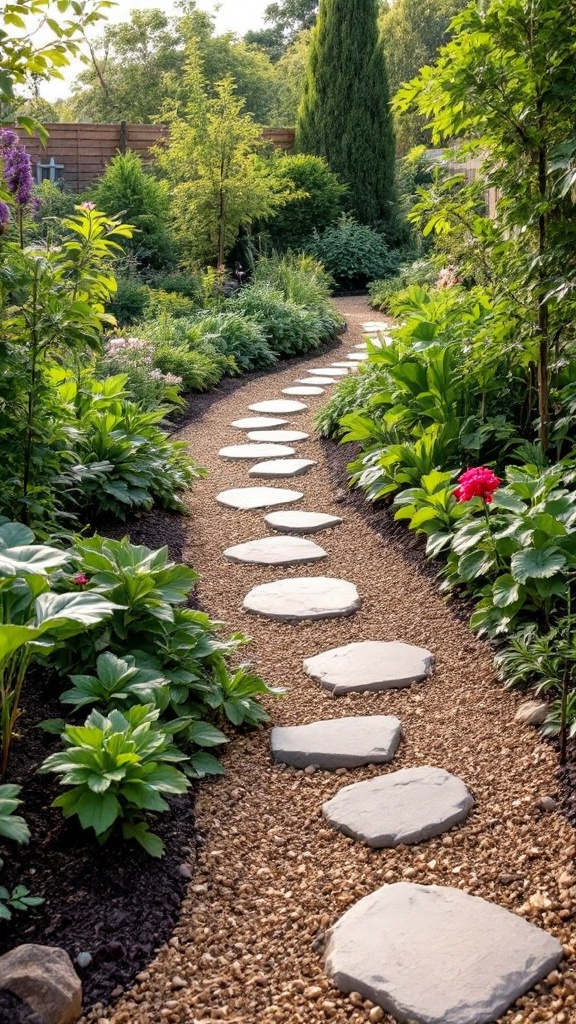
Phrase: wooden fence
(78,153)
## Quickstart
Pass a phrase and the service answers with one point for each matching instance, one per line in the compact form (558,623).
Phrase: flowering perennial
(17,168)
(478,482)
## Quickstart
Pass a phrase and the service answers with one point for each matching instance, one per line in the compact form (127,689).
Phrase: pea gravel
(272,876)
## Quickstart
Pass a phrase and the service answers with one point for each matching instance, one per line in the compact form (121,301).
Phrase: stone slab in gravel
(408,806)
(277,551)
(282,468)
(338,743)
(357,357)
(257,497)
(282,406)
(362,345)
(303,389)
(304,597)
(256,451)
(331,370)
(295,521)
(375,325)
(370,665)
(433,955)
(258,423)
(281,436)
(316,381)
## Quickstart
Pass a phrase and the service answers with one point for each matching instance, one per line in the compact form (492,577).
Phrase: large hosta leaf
(506,591)
(62,611)
(537,564)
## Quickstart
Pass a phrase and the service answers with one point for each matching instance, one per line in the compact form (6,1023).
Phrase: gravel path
(272,876)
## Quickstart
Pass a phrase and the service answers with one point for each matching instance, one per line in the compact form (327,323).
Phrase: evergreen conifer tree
(345,114)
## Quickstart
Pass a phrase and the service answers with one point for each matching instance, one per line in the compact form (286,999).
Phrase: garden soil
(270,876)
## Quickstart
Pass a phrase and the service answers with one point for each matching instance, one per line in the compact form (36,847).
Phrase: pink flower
(87,205)
(478,482)
(81,579)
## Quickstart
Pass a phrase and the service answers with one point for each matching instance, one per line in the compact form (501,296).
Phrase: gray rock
(375,325)
(278,436)
(305,597)
(282,468)
(338,743)
(316,381)
(407,806)
(331,370)
(84,959)
(433,955)
(257,497)
(44,978)
(303,389)
(258,423)
(357,357)
(281,406)
(532,712)
(346,364)
(279,550)
(370,665)
(256,451)
(294,521)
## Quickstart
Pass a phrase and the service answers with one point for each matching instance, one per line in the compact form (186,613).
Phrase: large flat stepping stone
(375,325)
(338,743)
(434,955)
(317,380)
(305,597)
(303,389)
(256,451)
(346,364)
(281,406)
(362,345)
(280,436)
(407,806)
(293,521)
(357,357)
(370,665)
(282,468)
(257,497)
(277,551)
(258,422)
(333,372)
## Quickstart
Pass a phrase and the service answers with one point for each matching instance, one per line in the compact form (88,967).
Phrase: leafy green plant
(318,206)
(14,827)
(431,509)
(118,683)
(235,336)
(34,619)
(119,768)
(353,254)
(234,693)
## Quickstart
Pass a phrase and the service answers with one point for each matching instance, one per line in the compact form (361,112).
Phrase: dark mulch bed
(381,520)
(14,1011)
(114,902)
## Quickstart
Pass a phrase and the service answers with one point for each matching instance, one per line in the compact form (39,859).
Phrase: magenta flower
(478,482)
(81,579)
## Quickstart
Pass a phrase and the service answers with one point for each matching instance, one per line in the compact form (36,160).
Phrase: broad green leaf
(505,591)
(538,563)
(97,811)
(474,564)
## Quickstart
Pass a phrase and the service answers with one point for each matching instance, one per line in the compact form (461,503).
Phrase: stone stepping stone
(407,806)
(435,955)
(334,372)
(362,345)
(338,743)
(375,325)
(357,357)
(282,468)
(303,597)
(277,551)
(256,451)
(302,389)
(346,364)
(294,521)
(257,497)
(283,436)
(370,665)
(282,406)
(317,380)
(258,422)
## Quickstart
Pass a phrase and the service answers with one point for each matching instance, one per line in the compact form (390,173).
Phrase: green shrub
(198,369)
(145,382)
(381,293)
(236,336)
(290,330)
(129,301)
(189,285)
(169,303)
(353,254)
(299,277)
(353,392)
(127,188)
(316,209)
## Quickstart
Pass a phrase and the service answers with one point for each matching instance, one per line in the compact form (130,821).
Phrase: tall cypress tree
(345,114)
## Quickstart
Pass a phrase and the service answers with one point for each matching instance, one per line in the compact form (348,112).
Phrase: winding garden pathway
(289,847)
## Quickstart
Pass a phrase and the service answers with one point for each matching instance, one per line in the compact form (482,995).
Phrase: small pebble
(185,870)
(376,1015)
(178,982)
(83,959)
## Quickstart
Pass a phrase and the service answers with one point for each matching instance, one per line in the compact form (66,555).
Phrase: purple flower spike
(17,167)
(4,215)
